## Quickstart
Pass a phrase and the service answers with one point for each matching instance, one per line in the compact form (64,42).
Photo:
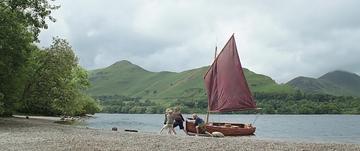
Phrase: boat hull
(228,129)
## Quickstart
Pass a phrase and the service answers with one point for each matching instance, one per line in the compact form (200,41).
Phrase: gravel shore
(41,134)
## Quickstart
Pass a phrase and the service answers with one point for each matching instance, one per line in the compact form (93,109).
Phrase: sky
(282,39)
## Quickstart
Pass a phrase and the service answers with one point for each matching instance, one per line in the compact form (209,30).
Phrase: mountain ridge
(336,82)
(128,79)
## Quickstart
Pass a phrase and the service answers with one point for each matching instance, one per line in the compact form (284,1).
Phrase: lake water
(304,128)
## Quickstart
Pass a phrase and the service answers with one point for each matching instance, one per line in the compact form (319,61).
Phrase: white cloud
(282,39)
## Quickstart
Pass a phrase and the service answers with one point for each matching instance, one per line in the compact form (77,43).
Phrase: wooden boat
(228,129)
(227,91)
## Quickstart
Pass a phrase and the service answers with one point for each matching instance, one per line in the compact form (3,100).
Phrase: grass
(127,79)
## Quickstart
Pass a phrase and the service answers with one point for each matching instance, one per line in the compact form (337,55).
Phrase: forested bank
(271,103)
(33,80)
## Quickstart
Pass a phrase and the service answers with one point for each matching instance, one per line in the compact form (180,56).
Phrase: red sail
(225,82)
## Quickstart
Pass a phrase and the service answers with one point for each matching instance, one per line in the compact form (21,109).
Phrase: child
(179,120)
(169,121)
(200,124)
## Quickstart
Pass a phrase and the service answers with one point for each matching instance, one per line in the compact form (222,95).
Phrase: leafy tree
(15,45)
(89,105)
(30,13)
(52,85)
(57,84)
(20,24)
(38,81)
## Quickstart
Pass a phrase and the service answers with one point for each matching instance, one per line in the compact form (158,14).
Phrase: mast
(208,111)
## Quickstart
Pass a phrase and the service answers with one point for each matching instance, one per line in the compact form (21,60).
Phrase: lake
(304,128)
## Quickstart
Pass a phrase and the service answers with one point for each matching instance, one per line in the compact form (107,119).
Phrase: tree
(15,46)
(58,83)
(30,13)
(20,24)
(51,80)
(91,106)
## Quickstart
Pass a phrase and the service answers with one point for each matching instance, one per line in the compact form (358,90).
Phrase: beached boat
(227,91)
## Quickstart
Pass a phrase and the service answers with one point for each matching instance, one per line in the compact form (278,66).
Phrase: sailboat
(227,91)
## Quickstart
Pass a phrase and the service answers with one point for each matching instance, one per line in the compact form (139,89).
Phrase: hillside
(311,85)
(345,80)
(127,88)
(334,83)
(127,79)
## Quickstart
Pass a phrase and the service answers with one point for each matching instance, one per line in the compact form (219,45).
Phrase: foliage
(271,103)
(90,105)
(15,46)
(47,82)
(32,14)
(20,24)
(300,103)
(57,83)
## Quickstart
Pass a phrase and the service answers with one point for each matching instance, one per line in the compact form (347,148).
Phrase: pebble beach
(44,134)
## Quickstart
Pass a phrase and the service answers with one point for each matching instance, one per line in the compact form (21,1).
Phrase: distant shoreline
(235,113)
(43,134)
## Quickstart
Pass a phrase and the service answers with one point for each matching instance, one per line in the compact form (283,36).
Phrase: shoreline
(43,134)
(48,118)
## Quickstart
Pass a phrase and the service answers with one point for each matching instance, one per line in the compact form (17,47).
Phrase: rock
(114,129)
(217,134)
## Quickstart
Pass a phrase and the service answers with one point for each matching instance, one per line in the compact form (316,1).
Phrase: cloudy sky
(281,38)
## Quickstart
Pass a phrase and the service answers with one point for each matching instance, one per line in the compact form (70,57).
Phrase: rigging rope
(256,117)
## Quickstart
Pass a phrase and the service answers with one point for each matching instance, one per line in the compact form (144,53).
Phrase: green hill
(127,88)
(311,85)
(350,82)
(126,79)
(334,83)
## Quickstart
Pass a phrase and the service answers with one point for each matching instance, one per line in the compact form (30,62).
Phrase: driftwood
(128,130)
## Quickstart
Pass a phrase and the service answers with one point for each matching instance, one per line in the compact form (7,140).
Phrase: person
(169,121)
(179,119)
(199,124)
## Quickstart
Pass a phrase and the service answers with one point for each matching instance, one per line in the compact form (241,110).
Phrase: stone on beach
(217,134)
